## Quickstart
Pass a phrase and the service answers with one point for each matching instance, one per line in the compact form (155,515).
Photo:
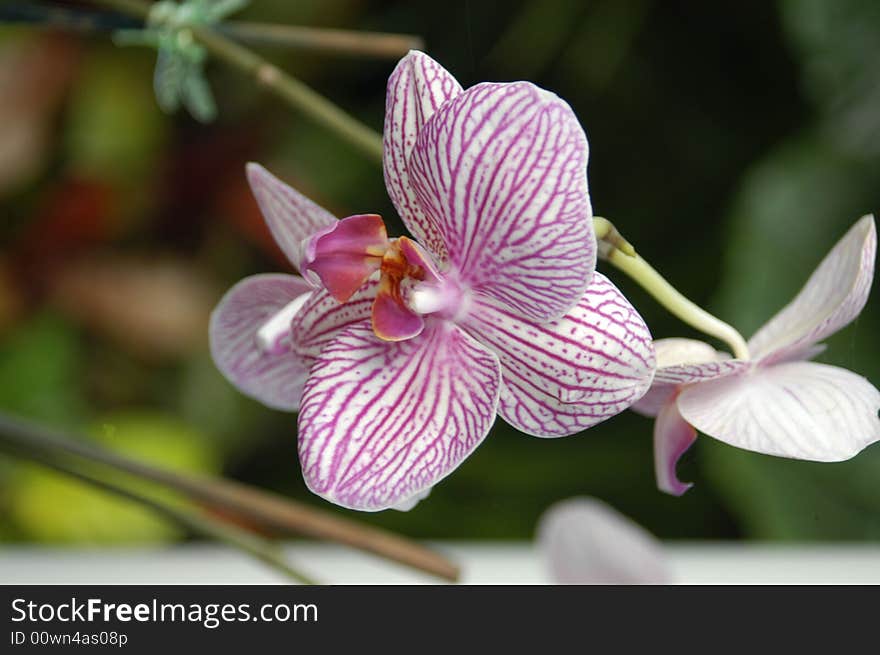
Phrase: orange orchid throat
(346,255)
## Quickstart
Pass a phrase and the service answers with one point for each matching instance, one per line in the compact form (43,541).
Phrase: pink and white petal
(681,361)
(381,422)
(392,320)
(501,172)
(585,541)
(801,410)
(275,379)
(322,317)
(833,296)
(568,374)
(346,254)
(690,373)
(291,216)
(416,88)
(672,437)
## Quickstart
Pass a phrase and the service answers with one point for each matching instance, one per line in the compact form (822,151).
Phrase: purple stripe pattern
(500,172)
(275,379)
(416,88)
(322,317)
(291,217)
(493,308)
(777,403)
(382,422)
(569,374)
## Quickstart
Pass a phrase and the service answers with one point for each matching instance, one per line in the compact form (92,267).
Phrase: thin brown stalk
(270,511)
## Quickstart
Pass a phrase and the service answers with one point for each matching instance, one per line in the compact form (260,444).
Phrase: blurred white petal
(586,541)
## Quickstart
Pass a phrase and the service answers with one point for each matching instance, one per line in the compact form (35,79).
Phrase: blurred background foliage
(731,142)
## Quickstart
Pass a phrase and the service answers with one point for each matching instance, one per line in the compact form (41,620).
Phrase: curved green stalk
(614,249)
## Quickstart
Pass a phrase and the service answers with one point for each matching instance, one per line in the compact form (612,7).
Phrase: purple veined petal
(346,254)
(291,216)
(833,296)
(501,171)
(416,88)
(672,437)
(322,317)
(680,362)
(274,378)
(381,422)
(585,541)
(801,410)
(566,375)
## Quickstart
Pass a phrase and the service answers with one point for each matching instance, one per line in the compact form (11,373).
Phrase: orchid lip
(272,337)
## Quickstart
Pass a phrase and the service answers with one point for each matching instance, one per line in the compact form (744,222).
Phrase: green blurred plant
(179,79)
(190,41)
(91,516)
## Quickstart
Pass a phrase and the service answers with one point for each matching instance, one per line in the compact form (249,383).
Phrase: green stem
(381,45)
(252,505)
(614,249)
(191,521)
(367,44)
(294,92)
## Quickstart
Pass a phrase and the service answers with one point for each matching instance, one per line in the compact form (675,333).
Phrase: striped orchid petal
(416,88)
(585,541)
(291,216)
(680,362)
(566,375)
(381,421)
(322,317)
(833,296)
(672,437)
(500,172)
(270,372)
(799,409)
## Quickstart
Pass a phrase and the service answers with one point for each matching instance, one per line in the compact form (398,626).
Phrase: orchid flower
(492,307)
(585,541)
(776,402)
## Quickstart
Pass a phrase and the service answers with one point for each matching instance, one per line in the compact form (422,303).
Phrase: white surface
(484,563)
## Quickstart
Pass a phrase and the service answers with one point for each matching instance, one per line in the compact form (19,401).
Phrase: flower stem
(290,89)
(616,250)
(192,521)
(381,45)
(367,44)
(251,505)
